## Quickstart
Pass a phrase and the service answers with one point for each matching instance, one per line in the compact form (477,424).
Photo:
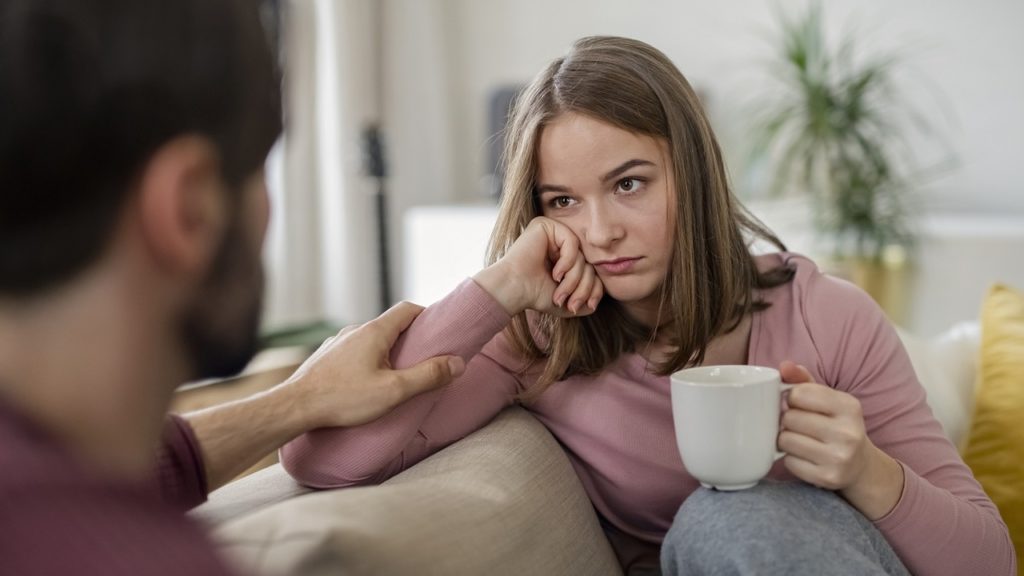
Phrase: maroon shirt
(57,518)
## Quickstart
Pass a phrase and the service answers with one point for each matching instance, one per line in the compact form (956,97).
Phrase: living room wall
(964,60)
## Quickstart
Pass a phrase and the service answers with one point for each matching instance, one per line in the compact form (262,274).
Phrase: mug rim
(764,375)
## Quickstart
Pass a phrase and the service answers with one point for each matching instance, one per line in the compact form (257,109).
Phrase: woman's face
(614,189)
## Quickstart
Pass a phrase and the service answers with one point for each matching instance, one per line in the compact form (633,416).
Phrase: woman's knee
(773,528)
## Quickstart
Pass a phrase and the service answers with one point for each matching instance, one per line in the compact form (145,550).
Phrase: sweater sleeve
(468,322)
(181,473)
(943,523)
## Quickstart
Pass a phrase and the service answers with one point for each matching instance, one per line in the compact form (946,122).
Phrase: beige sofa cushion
(504,500)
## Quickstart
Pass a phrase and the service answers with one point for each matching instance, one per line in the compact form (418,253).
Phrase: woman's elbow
(317,464)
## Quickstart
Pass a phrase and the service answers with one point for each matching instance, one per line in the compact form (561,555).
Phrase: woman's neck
(728,348)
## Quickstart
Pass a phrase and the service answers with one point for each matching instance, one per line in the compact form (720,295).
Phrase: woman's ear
(182,204)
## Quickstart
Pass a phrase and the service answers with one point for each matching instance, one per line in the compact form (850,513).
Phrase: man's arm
(346,382)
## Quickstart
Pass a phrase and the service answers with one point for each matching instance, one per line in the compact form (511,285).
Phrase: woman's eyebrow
(625,166)
(542,188)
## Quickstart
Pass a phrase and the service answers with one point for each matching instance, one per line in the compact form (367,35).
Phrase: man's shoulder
(29,459)
(57,519)
(59,527)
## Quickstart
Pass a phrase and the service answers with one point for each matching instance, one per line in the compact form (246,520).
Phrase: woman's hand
(827,445)
(544,270)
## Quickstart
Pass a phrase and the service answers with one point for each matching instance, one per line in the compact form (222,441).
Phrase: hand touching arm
(347,382)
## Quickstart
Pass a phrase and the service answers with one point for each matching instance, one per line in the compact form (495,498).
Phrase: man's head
(104,101)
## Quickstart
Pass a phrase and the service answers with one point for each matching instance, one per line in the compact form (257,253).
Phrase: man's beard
(221,328)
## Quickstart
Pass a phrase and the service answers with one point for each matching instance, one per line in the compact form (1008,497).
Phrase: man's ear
(183,205)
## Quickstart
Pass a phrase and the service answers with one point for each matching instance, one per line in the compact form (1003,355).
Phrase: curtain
(321,250)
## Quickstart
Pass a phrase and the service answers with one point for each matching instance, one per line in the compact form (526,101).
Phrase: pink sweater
(617,426)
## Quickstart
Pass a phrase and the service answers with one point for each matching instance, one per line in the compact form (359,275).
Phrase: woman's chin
(627,297)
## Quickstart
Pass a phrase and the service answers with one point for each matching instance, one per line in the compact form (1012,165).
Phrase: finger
(328,342)
(807,471)
(812,424)
(596,293)
(395,320)
(429,374)
(794,373)
(823,400)
(339,336)
(804,447)
(568,247)
(570,281)
(579,297)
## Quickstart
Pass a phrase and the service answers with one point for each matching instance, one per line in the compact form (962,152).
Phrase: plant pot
(886,279)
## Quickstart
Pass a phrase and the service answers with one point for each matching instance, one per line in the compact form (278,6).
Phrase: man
(132,212)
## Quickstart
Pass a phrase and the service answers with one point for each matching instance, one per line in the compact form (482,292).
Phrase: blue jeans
(774,528)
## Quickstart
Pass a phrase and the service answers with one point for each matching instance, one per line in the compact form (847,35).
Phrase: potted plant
(833,127)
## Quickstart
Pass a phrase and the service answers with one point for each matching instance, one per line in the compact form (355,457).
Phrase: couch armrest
(504,500)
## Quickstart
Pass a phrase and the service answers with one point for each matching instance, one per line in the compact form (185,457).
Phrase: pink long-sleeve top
(617,429)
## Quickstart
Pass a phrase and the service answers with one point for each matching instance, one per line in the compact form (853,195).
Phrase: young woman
(620,255)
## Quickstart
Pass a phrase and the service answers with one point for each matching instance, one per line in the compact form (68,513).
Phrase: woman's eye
(629,184)
(561,202)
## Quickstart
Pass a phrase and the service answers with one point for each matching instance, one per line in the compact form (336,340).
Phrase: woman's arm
(543,270)
(942,522)
(461,324)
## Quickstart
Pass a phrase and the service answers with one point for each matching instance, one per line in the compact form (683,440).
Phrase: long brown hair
(712,277)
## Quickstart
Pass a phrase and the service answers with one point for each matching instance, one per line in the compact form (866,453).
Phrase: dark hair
(90,89)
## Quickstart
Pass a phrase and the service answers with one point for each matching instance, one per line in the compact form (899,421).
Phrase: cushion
(946,365)
(504,500)
(246,495)
(995,441)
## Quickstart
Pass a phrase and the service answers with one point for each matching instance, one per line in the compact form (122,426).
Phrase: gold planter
(887,279)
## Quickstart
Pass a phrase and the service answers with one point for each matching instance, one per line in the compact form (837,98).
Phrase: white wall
(971,54)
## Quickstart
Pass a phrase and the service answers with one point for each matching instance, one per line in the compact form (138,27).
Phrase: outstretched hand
(349,381)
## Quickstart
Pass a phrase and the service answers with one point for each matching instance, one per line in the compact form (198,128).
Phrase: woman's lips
(617,266)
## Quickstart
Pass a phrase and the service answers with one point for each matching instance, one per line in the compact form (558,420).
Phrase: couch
(504,500)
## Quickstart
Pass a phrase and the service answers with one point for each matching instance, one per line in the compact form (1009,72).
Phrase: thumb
(429,374)
(794,373)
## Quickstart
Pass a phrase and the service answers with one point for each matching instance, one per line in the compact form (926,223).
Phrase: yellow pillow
(995,442)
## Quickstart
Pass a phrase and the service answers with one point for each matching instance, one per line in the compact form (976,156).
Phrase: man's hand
(348,381)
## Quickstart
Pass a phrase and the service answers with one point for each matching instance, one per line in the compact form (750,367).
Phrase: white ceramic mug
(727,423)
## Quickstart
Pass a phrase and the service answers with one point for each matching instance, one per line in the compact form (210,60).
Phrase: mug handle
(784,388)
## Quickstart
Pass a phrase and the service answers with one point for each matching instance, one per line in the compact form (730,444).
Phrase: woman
(620,256)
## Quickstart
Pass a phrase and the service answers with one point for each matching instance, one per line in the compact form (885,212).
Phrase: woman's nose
(603,228)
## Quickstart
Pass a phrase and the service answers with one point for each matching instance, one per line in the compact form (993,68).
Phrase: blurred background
(384,186)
